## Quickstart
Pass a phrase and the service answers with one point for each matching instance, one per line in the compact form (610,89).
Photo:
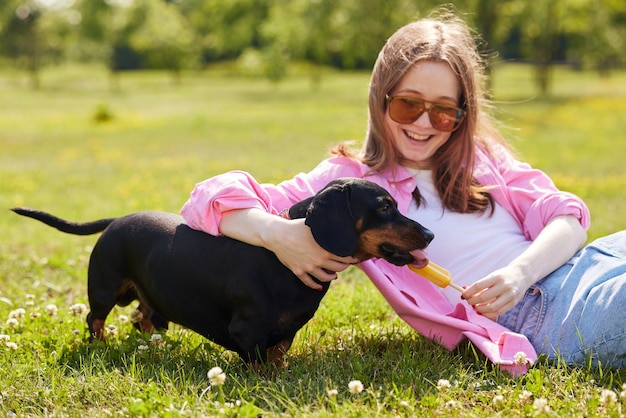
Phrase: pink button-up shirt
(528,194)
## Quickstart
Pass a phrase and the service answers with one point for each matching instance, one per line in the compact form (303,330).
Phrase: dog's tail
(76,228)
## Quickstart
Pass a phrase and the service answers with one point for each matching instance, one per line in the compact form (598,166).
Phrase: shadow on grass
(389,359)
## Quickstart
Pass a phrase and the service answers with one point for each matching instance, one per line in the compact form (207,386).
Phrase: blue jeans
(578,312)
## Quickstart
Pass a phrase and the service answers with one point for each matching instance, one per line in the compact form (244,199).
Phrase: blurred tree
(20,38)
(345,34)
(369,24)
(487,14)
(225,28)
(31,35)
(598,37)
(542,24)
(539,27)
(106,26)
(164,40)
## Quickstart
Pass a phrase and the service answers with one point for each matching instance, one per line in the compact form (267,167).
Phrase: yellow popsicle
(437,275)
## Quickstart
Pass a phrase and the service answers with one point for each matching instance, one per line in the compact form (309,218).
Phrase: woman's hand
(291,241)
(294,245)
(498,292)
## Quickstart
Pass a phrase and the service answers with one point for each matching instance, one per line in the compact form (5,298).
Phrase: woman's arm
(291,241)
(501,290)
(236,205)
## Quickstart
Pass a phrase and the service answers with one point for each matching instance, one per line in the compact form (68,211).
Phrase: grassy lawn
(83,152)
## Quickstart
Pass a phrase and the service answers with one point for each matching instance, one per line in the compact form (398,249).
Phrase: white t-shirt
(470,246)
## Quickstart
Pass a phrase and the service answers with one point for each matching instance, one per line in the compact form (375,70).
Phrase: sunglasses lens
(405,110)
(408,110)
(444,118)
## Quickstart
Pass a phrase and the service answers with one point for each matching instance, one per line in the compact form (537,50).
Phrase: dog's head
(352,216)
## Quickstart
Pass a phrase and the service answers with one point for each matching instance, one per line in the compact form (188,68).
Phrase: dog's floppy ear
(331,221)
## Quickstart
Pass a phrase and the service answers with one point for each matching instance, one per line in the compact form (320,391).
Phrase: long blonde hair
(438,39)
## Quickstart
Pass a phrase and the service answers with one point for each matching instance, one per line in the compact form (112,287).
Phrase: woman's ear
(330,218)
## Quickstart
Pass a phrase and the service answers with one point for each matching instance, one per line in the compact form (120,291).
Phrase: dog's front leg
(250,336)
(276,353)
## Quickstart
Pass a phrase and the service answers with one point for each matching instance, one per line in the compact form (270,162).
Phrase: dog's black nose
(428,235)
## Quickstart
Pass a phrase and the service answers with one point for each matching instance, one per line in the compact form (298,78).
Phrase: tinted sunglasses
(407,110)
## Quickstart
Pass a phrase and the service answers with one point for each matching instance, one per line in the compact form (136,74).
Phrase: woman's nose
(424,120)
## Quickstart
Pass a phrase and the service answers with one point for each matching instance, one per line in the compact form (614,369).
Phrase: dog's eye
(385,208)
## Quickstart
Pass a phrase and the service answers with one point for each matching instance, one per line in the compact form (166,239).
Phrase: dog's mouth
(400,257)
(420,258)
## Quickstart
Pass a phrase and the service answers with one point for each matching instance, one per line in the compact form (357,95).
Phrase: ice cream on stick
(437,275)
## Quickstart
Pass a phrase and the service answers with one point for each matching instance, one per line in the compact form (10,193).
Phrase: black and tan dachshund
(236,295)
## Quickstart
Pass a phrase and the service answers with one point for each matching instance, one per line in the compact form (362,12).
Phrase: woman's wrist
(252,226)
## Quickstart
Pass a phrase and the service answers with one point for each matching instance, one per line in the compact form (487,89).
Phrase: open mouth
(415,137)
(395,256)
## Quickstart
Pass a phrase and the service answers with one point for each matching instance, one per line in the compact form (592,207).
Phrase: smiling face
(418,141)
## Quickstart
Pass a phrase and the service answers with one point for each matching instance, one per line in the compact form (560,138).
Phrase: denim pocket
(527,316)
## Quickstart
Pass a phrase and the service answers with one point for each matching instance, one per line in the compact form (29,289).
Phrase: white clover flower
(157,340)
(29,303)
(450,404)
(122,319)
(541,405)
(112,330)
(521,359)
(216,376)
(12,323)
(51,309)
(525,396)
(143,347)
(355,387)
(443,384)
(623,392)
(29,296)
(498,400)
(17,313)
(4,338)
(11,345)
(608,397)
(78,309)
(332,392)
(35,314)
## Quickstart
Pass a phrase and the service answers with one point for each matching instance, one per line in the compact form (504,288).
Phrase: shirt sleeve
(529,194)
(234,190)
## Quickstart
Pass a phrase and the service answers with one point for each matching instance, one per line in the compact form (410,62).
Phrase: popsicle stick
(456,286)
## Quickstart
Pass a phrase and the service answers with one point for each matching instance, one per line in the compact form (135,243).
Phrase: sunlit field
(83,151)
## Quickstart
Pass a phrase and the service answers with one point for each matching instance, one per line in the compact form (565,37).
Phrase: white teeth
(416,137)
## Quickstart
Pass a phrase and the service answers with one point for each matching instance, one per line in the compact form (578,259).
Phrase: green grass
(83,152)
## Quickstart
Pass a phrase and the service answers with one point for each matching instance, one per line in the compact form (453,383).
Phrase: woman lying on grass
(502,228)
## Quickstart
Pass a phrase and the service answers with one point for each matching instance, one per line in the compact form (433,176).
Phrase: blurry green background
(263,37)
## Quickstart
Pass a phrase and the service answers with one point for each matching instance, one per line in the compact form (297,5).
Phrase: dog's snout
(428,235)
